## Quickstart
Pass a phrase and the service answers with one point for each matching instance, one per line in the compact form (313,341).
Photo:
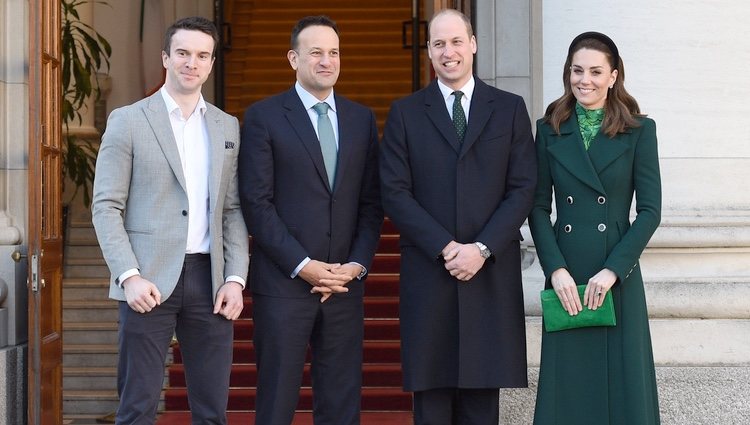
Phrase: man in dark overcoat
(458,173)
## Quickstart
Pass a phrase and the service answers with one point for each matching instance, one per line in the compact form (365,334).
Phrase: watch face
(483,250)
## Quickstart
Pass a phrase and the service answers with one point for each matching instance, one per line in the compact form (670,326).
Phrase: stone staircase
(89,328)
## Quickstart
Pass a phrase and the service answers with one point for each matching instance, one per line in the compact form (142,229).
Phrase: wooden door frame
(44,234)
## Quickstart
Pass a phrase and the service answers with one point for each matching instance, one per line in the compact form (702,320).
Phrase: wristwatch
(483,250)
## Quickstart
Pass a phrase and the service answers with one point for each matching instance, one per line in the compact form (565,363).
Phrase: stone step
(90,378)
(82,251)
(81,234)
(85,288)
(696,298)
(76,419)
(89,355)
(100,311)
(80,333)
(93,402)
(86,268)
(686,297)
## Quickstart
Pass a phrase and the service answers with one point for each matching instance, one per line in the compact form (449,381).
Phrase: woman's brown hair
(621,108)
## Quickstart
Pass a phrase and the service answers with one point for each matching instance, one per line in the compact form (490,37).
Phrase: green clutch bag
(557,319)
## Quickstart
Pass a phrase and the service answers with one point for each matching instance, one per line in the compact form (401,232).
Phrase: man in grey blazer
(167,215)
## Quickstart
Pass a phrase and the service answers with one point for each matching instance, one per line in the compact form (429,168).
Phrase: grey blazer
(140,205)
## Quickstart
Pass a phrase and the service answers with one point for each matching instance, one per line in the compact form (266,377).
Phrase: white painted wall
(119,22)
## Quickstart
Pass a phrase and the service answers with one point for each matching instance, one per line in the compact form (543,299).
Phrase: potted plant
(83,53)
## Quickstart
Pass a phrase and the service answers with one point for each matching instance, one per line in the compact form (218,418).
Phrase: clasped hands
(462,261)
(593,296)
(143,296)
(328,279)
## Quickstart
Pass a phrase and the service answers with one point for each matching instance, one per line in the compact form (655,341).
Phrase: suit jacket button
(184,213)
(601,200)
(601,227)
(570,200)
(568,228)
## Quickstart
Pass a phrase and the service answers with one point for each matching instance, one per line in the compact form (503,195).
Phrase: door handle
(17,256)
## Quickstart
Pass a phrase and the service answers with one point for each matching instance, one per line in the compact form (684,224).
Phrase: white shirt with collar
(467,89)
(191,136)
(308,101)
(192,139)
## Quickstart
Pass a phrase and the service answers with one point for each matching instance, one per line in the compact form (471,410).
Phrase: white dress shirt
(468,91)
(191,136)
(308,100)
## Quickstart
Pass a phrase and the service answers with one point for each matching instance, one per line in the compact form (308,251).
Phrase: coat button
(601,200)
(601,227)
(570,200)
(184,213)
(568,228)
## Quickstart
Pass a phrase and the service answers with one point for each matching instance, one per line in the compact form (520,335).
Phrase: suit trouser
(334,331)
(457,406)
(205,343)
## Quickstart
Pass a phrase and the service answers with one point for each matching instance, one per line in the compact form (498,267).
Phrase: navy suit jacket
(289,207)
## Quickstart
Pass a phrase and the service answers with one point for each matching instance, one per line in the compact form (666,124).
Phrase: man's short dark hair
(309,21)
(193,23)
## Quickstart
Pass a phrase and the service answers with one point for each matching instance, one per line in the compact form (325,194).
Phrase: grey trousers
(205,339)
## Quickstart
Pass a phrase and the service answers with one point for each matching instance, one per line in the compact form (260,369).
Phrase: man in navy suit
(458,173)
(308,179)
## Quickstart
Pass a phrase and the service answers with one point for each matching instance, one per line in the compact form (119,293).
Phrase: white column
(13,124)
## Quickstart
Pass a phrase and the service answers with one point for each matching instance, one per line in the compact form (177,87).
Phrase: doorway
(376,55)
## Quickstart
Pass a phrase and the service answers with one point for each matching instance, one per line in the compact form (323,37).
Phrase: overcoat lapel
(568,150)
(217,146)
(299,120)
(479,114)
(345,147)
(604,151)
(158,119)
(438,114)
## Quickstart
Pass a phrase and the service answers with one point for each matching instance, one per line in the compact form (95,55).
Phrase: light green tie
(327,141)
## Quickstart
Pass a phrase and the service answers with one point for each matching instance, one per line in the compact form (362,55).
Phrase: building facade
(685,65)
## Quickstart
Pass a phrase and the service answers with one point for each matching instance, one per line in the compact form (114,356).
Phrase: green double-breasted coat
(598,375)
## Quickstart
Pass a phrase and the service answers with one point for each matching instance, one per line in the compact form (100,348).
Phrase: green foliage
(79,161)
(84,53)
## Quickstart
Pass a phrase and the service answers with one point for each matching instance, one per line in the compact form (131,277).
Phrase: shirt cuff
(123,277)
(233,278)
(300,267)
(362,273)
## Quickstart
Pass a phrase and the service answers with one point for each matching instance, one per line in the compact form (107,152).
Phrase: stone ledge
(718,298)
(677,342)
(687,396)
(693,229)
(696,232)
(690,298)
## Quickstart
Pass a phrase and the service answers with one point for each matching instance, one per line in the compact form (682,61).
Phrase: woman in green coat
(595,151)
